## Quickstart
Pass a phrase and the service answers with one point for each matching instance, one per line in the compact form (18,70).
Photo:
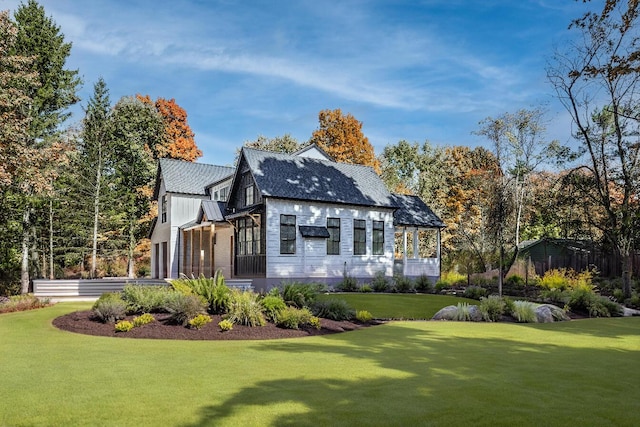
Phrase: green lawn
(399,374)
(398,306)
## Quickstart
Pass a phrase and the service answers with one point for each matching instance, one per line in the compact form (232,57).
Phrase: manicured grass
(402,374)
(398,306)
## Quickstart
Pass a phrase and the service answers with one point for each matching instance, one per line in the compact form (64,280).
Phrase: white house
(283,217)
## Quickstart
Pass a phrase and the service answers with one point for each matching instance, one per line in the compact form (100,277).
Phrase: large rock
(628,312)
(475,314)
(547,313)
(447,313)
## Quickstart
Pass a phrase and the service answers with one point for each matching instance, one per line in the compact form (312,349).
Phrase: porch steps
(85,290)
(242,284)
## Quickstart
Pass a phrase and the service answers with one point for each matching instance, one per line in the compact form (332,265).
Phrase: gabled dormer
(244,193)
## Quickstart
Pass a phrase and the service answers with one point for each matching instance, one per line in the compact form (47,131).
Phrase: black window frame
(249,190)
(163,208)
(333,241)
(377,238)
(359,237)
(287,234)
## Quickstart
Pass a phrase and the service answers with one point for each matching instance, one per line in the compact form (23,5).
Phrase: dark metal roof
(290,177)
(313,231)
(188,177)
(213,210)
(413,212)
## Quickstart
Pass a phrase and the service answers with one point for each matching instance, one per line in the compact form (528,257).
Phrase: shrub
(185,307)
(294,318)
(272,305)
(146,318)
(453,278)
(583,300)
(214,290)
(402,284)
(365,289)
(314,322)
(146,299)
(474,292)
(124,326)
(423,284)
(555,279)
(109,308)
(225,325)
(463,314)
(364,316)
(618,295)
(348,284)
(524,312)
(334,309)
(22,303)
(556,296)
(245,308)
(199,321)
(380,283)
(514,280)
(441,286)
(299,294)
(492,308)
(633,302)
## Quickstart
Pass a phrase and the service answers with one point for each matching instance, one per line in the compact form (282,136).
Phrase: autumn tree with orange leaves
(341,137)
(179,142)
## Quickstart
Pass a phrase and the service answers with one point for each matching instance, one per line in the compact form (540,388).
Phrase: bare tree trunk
(96,215)
(24,267)
(51,269)
(132,246)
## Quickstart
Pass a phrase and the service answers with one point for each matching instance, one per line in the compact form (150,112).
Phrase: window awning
(314,231)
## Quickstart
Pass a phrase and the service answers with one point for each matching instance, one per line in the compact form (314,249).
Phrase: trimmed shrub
(402,284)
(475,292)
(272,305)
(225,325)
(199,321)
(245,309)
(299,294)
(146,299)
(348,284)
(423,284)
(492,308)
(524,312)
(380,283)
(334,309)
(124,326)
(364,316)
(185,307)
(145,319)
(294,318)
(109,308)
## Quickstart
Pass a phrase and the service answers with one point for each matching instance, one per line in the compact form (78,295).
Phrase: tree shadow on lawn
(404,374)
(611,327)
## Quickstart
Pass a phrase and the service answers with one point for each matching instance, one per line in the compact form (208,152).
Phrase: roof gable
(301,178)
(188,177)
(413,212)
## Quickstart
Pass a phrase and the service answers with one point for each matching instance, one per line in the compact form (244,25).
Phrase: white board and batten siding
(310,260)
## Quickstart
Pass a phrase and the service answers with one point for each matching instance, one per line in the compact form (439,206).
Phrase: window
(359,237)
(223,194)
(248,195)
(333,242)
(287,234)
(378,237)
(249,235)
(216,196)
(164,208)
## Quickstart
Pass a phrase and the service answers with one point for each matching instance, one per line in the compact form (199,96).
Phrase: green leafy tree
(597,79)
(136,128)
(279,144)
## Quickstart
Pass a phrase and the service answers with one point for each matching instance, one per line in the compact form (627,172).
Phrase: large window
(248,237)
(287,234)
(164,208)
(359,237)
(333,242)
(378,237)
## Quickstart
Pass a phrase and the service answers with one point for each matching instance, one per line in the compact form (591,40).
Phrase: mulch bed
(82,322)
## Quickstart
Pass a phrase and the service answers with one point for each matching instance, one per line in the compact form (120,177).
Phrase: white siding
(311,259)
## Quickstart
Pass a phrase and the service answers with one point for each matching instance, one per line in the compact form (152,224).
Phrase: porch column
(404,246)
(415,244)
(438,247)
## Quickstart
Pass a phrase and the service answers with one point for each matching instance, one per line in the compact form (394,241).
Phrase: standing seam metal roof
(190,178)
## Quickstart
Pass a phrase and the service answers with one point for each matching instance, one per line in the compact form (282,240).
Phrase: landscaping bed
(83,322)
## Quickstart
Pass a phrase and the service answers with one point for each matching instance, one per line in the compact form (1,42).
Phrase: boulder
(628,312)
(547,313)
(475,314)
(447,313)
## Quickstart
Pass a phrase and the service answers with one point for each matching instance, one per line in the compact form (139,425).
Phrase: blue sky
(413,70)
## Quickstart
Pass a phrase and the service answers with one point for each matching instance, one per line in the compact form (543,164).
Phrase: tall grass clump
(423,284)
(213,289)
(380,283)
(334,309)
(245,309)
(402,284)
(185,307)
(463,313)
(298,294)
(524,312)
(21,303)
